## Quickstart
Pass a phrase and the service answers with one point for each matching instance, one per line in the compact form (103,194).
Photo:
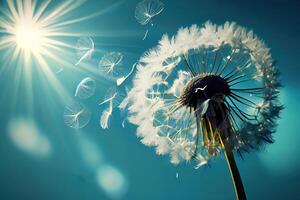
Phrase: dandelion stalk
(225,92)
(235,175)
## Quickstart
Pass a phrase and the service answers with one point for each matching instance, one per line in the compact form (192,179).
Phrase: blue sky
(70,166)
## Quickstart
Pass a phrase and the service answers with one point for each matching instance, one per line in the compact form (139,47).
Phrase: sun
(31,30)
(38,47)
(29,36)
(30,33)
(37,39)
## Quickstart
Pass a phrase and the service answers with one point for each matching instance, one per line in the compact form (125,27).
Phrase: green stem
(235,175)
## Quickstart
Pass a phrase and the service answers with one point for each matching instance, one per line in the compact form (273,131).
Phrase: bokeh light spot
(112,181)
(28,138)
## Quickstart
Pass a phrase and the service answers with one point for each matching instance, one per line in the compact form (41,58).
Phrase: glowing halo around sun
(38,46)
(36,39)
(28,36)
(30,31)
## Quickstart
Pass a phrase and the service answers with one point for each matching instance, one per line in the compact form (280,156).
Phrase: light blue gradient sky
(68,172)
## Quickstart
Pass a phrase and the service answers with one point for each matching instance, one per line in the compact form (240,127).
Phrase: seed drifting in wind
(120,80)
(76,115)
(106,114)
(59,70)
(192,93)
(110,64)
(113,98)
(85,47)
(86,88)
(145,35)
(146,10)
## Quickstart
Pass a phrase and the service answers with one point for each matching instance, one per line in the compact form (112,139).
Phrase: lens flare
(32,33)
(28,36)
(36,37)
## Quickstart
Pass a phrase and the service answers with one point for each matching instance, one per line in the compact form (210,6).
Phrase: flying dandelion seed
(121,80)
(123,123)
(86,88)
(85,48)
(124,116)
(192,93)
(146,10)
(122,105)
(110,64)
(145,35)
(59,71)
(105,116)
(113,98)
(76,115)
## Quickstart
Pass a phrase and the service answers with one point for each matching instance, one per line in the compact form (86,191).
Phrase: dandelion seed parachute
(76,115)
(121,79)
(59,70)
(86,88)
(85,47)
(206,90)
(110,64)
(147,9)
(105,116)
(145,35)
(113,98)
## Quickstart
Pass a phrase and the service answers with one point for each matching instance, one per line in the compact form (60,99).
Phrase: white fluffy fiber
(142,109)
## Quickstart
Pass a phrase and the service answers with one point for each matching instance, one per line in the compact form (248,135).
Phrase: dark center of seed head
(201,88)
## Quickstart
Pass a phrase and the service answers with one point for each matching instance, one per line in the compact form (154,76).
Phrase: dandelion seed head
(203,86)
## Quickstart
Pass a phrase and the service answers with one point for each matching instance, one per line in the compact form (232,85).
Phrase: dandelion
(76,115)
(110,64)
(192,93)
(86,88)
(85,47)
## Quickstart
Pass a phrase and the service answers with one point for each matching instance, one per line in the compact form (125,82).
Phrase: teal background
(273,173)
